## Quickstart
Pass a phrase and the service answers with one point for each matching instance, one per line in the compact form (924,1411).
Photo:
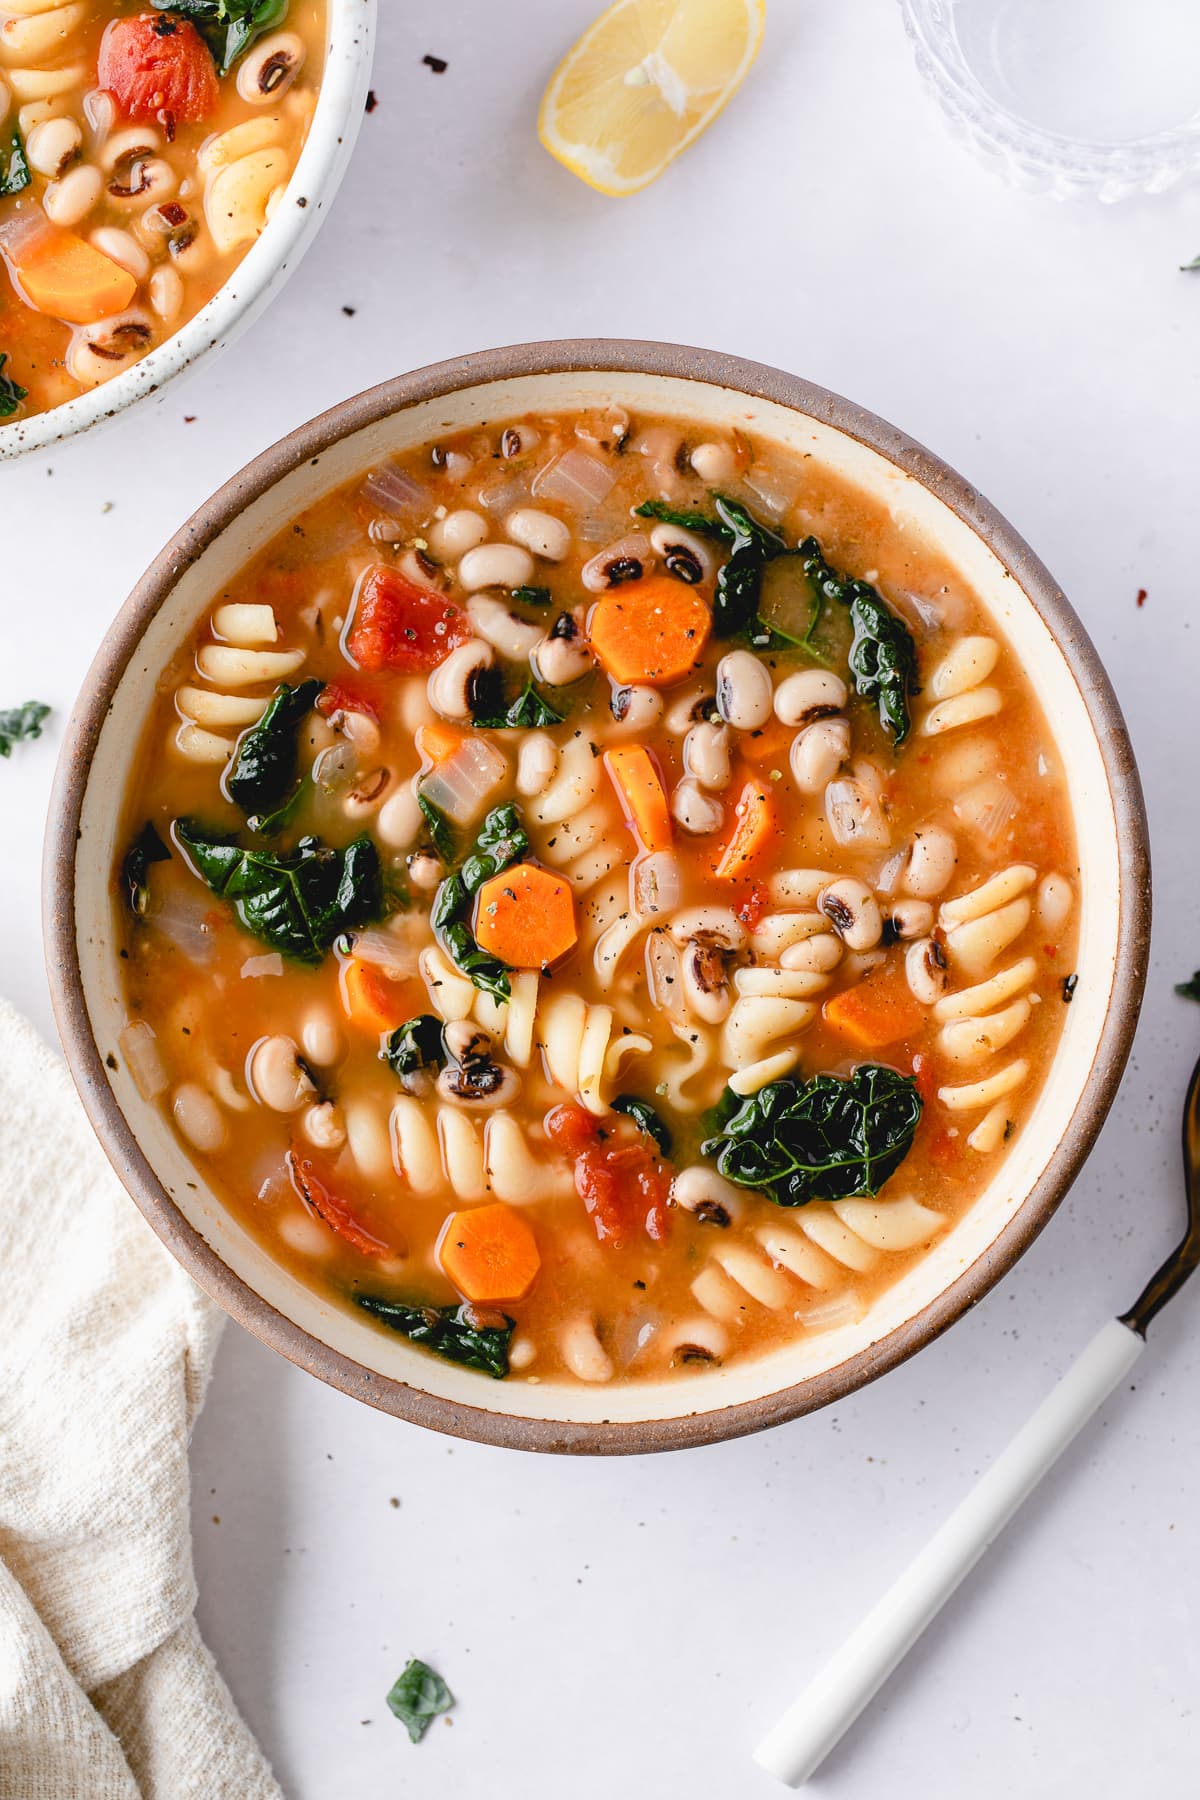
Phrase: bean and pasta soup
(598,897)
(142,150)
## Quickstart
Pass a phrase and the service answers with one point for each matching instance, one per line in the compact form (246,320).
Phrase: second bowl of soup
(626,902)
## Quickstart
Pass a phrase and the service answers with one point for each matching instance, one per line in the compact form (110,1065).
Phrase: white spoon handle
(811,1727)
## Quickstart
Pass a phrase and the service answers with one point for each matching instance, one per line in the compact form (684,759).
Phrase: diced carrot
(489,1253)
(372,1001)
(158,65)
(526,917)
(437,742)
(341,697)
(651,631)
(62,275)
(879,1010)
(640,788)
(754,827)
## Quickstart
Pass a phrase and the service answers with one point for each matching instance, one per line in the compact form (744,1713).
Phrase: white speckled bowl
(924,496)
(265,266)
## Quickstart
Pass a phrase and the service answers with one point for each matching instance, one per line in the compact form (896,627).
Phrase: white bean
(703,1191)
(688,709)
(69,200)
(321,1038)
(275,1076)
(539,532)
(166,292)
(324,1126)
(743,690)
(854,816)
(818,752)
(694,810)
(399,818)
(809,694)
(513,636)
(911,918)
(706,755)
(637,709)
(198,1116)
(458,532)
(932,858)
(495,565)
(583,1352)
(715,464)
(122,248)
(52,145)
(966,663)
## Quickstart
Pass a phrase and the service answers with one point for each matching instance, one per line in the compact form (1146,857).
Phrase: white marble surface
(632,1626)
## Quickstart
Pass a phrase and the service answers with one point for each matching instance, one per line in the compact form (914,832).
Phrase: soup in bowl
(148,154)
(625,904)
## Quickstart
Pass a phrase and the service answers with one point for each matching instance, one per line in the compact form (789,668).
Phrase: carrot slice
(489,1253)
(651,631)
(879,1010)
(373,1002)
(640,788)
(65,277)
(438,742)
(526,917)
(753,829)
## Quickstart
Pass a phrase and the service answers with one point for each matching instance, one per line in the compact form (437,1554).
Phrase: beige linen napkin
(106,1690)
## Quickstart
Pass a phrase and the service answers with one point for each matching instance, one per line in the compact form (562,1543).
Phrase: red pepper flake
(1141,597)
(1050,949)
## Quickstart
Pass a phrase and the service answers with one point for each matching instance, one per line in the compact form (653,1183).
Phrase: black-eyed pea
(818,752)
(715,463)
(932,858)
(496,565)
(911,918)
(808,695)
(694,810)
(450,688)
(744,690)
(98,352)
(270,67)
(451,537)
(853,911)
(399,818)
(926,971)
(637,708)
(706,755)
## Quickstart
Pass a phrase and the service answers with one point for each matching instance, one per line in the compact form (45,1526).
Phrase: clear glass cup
(1068,96)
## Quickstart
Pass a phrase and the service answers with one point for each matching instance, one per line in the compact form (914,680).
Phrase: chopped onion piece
(394,491)
(386,950)
(988,809)
(140,1049)
(461,786)
(770,488)
(513,491)
(575,478)
(183,920)
(839,1309)
(656,883)
(262,965)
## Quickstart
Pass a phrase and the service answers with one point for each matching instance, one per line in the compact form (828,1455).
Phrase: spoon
(811,1727)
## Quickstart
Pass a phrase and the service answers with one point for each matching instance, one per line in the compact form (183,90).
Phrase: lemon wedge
(642,82)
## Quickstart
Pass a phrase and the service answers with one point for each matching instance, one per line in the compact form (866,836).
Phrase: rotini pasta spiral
(436,1147)
(584,1050)
(960,689)
(240,659)
(577,824)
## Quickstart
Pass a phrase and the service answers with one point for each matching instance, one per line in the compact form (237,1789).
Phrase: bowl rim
(266,265)
(311,440)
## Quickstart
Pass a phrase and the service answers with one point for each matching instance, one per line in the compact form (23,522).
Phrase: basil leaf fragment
(20,724)
(418,1696)
(228,27)
(449,1331)
(646,1119)
(830,1138)
(263,772)
(11,392)
(14,168)
(502,841)
(528,712)
(415,1045)
(296,903)
(531,596)
(146,848)
(441,834)
(883,657)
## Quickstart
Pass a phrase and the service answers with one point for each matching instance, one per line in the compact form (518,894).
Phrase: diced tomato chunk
(397,625)
(334,1211)
(157,65)
(753,908)
(341,697)
(625,1190)
(572,1128)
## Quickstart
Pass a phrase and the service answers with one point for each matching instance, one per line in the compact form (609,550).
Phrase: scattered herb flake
(146,848)
(1189,990)
(21,723)
(417,1697)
